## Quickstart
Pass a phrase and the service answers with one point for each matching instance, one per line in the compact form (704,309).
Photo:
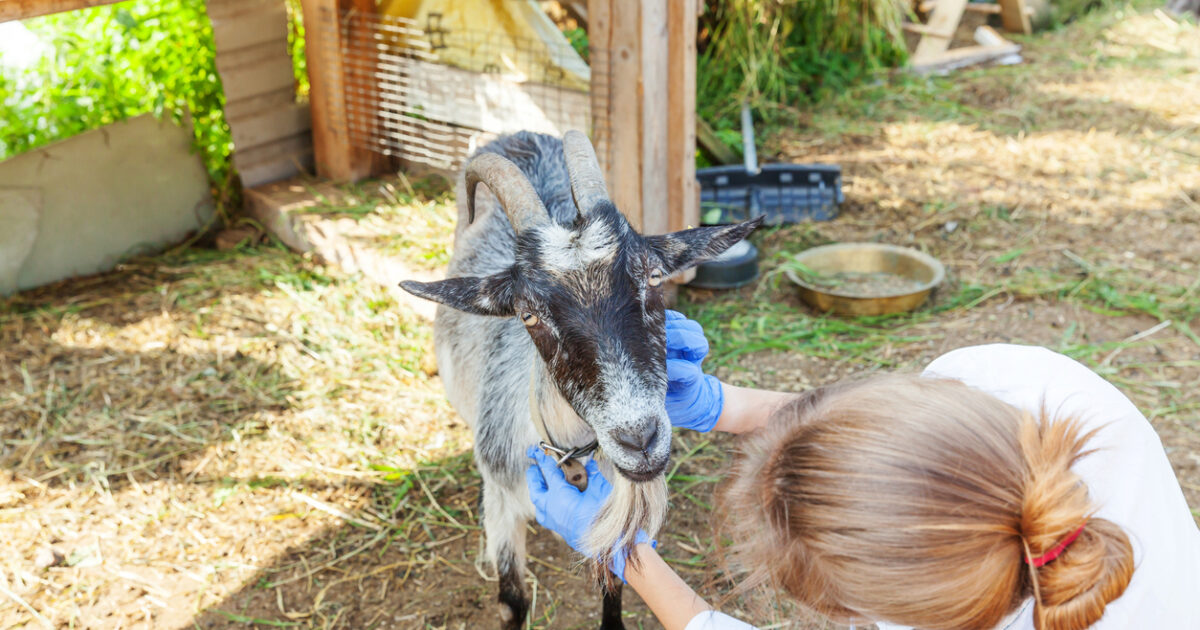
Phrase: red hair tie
(1057,550)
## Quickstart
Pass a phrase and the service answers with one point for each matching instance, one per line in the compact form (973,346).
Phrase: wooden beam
(965,56)
(683,191)
(926,30)
(615,28)
(599,32)
(945,19)
(1014,17)
(643,108)
(683,207)
(973,7)
(335,155)
(655,115)
(24,9)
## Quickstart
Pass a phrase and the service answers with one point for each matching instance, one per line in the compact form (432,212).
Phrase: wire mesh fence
(426,90)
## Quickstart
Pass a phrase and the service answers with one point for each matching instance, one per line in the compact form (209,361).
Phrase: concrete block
(20,209)
(128,188)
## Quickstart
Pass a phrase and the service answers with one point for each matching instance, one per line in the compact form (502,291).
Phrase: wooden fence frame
(645,124)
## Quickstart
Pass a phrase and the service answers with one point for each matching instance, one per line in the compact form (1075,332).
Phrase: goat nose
(639,438)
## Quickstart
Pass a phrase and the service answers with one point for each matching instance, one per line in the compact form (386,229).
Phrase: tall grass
(781,54)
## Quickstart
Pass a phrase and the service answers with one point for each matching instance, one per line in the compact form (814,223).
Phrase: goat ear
(688,248)
(490,295)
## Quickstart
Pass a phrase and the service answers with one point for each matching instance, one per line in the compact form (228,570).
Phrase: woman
(1005,487)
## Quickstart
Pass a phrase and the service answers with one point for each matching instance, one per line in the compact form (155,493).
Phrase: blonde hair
(916,501)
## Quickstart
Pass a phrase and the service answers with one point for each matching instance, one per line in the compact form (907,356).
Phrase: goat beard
(632,506)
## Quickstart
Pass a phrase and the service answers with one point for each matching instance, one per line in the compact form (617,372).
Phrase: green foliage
(296,48)
(1061,12)
(780,54)
(116,62)
(578,39)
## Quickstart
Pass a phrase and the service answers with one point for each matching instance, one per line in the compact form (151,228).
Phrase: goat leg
(610,616)
(513,604)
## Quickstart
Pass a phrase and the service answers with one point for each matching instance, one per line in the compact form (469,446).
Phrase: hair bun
(1072,590)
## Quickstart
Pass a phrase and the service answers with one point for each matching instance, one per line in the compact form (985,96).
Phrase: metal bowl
(868,258)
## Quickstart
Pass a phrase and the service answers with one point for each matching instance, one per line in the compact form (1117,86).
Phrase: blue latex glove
(694,399)
(564,510)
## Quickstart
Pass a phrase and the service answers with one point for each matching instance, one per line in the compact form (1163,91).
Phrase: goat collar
(568,459)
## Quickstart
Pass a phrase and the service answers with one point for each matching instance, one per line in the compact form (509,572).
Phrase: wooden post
(684,203)
(335,156)
(1015,17)
(644,108)
(937,34)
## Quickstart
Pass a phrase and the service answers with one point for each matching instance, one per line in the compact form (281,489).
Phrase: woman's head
(912,500)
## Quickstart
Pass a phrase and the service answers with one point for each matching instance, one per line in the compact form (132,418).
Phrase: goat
(551,322)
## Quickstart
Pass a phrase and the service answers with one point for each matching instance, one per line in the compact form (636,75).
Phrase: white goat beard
(631,506)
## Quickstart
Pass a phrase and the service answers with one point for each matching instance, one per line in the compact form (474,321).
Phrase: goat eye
(656,278)
(529,318)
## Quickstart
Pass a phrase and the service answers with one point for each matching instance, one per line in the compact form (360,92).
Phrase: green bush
(781,54)
(116,62)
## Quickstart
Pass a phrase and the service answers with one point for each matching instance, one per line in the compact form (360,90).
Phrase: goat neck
(553,415)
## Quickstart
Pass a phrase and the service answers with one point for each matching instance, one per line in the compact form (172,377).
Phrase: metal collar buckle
(571,453)
(568,461)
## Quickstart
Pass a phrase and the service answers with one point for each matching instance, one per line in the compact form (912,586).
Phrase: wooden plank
(683,206)
(683,209)
(249,81)
(965,56)
(276,161)
(988,36)
(250,55)
(599,33)
(926,30)
(655,58)
(248,107)
(945,19)
(221,9)
(281,149)
(625,109)
(1014,17)
(271,125)
(973,7)
(336,158)
(24,9)
(268,24)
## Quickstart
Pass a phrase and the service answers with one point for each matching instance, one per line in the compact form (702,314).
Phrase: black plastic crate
(785,193)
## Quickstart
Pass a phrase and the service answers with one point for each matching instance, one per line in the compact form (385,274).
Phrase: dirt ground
(252,439)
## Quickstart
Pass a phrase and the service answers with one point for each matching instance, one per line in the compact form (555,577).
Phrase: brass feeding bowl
(922,271)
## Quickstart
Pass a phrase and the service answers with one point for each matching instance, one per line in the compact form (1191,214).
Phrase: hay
(234,404)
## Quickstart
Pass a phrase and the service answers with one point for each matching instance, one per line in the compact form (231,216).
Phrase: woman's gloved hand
(694,399)
(564,510)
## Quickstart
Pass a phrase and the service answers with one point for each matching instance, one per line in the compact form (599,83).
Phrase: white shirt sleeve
(713,620)
(1128,475)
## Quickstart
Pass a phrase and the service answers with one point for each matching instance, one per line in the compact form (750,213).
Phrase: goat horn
(587,182)
(517,196)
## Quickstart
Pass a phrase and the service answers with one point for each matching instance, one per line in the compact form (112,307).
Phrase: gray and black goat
(552,315)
